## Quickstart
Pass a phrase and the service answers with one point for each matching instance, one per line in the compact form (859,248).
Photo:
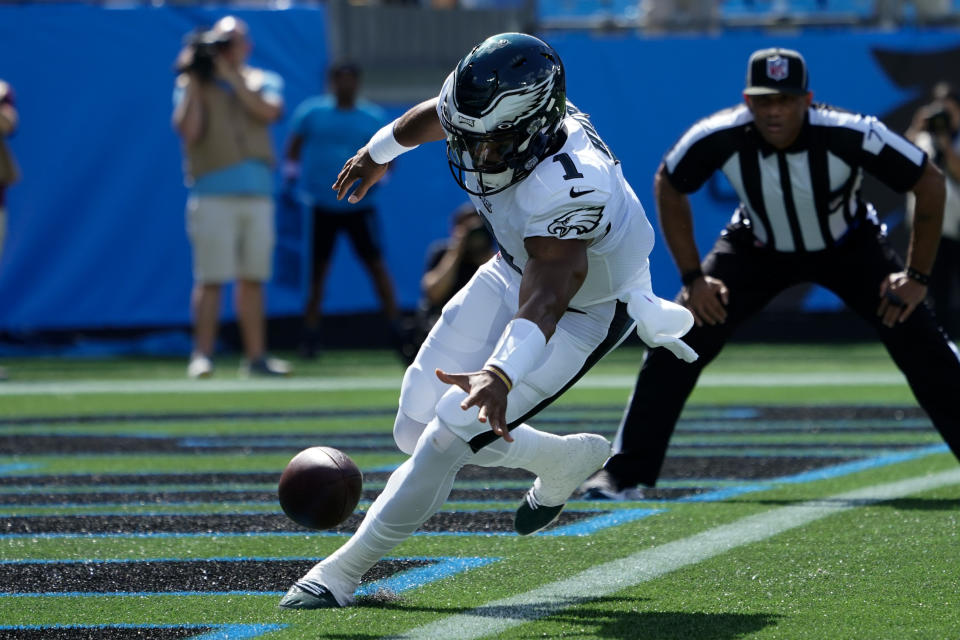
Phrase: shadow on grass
(597,618)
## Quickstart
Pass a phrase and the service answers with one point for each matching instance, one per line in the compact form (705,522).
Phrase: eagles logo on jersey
(580,221)
(501,109)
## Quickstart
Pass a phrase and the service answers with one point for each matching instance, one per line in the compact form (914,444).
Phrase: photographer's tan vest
(8,166)
(230,134)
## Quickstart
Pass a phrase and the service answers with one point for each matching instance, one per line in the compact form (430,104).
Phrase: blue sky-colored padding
(96,233)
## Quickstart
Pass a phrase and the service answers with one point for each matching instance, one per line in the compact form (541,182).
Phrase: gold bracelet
(501,375)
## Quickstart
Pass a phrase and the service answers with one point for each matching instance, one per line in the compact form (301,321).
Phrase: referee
(797,168)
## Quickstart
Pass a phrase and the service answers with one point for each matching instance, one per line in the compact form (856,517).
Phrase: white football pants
(431,425)
(464,338)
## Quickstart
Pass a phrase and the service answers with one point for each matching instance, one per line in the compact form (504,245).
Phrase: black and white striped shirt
(805,197)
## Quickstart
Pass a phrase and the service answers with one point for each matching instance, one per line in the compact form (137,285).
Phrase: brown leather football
(320,487)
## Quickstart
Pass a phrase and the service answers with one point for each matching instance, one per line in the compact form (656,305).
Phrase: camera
(938,120)
(203,47)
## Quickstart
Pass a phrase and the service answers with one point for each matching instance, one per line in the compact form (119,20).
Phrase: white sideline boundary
(295,384)
(613,576)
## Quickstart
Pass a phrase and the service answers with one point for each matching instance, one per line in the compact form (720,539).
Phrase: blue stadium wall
(96,233)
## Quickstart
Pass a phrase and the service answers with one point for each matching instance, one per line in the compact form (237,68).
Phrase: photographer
(223,108)
(936,129)
(8,166)
(450,264)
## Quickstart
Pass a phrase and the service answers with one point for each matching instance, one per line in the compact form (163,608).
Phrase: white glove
(661,323)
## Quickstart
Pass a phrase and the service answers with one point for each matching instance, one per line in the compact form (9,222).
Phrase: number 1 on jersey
(570,169)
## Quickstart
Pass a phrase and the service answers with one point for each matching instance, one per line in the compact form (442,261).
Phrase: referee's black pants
(854,271)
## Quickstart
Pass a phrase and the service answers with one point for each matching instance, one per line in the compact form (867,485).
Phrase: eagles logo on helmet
(501,109)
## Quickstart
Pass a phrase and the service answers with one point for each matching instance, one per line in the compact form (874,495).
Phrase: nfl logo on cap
(778,68)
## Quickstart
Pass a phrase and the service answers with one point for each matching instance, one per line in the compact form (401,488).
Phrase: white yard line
(616,575)
(598,381)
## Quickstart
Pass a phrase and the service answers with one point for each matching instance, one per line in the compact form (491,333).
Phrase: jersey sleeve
(301,116)
(556,205)
(575,221)
(701,150)
(567,213)
(889,157)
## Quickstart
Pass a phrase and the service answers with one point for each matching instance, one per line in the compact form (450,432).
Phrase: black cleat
(532,516)
(301,596)
(604,486)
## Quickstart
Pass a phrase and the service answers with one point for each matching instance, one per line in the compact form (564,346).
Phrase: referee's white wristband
(519,349)
(383,147)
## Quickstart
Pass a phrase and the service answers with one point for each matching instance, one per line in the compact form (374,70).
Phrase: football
(320,487)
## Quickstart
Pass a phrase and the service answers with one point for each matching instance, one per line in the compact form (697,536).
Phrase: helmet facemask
(484,164)
(501,110)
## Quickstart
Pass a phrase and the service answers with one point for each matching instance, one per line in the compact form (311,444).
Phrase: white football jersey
(578,193)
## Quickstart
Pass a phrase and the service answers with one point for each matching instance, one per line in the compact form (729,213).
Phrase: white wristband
(383,147)
(519,350)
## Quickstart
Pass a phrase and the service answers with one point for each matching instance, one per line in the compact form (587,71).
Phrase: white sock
(414,492)
(531,449)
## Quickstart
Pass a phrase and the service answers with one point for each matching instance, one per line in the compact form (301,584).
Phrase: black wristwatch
(689,277)
(919,276)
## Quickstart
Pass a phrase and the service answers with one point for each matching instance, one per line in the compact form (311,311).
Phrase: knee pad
(463,423)
(419,393)
(406,432)
(440,438)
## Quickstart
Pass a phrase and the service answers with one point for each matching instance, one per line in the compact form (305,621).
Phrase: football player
(568,283)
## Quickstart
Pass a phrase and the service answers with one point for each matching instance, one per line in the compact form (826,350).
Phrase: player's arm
(554,272)
(188,114)
(265,105)
(901,292)
(294,146)
(418,125)
(438,281)
(291,159)
(706,297)
(8,113)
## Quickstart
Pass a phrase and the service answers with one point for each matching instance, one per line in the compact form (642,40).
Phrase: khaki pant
(232,237)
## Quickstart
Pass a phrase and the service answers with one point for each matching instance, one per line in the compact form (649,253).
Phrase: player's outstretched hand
(360,167)
(707,298)
(486,391)
(899,296)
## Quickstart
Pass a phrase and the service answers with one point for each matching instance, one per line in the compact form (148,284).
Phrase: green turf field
(805,497)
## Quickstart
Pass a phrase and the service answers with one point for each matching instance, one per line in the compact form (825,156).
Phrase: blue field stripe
(296,442)
(781,451)
(804,427)
(240,631)
(592,525)
(134,594)
(220,631)
(862,465)
(17,466)
(419,576)
(384,468)
(834,471)
(722,494)
(168,559)
(441,567)
(887,458)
